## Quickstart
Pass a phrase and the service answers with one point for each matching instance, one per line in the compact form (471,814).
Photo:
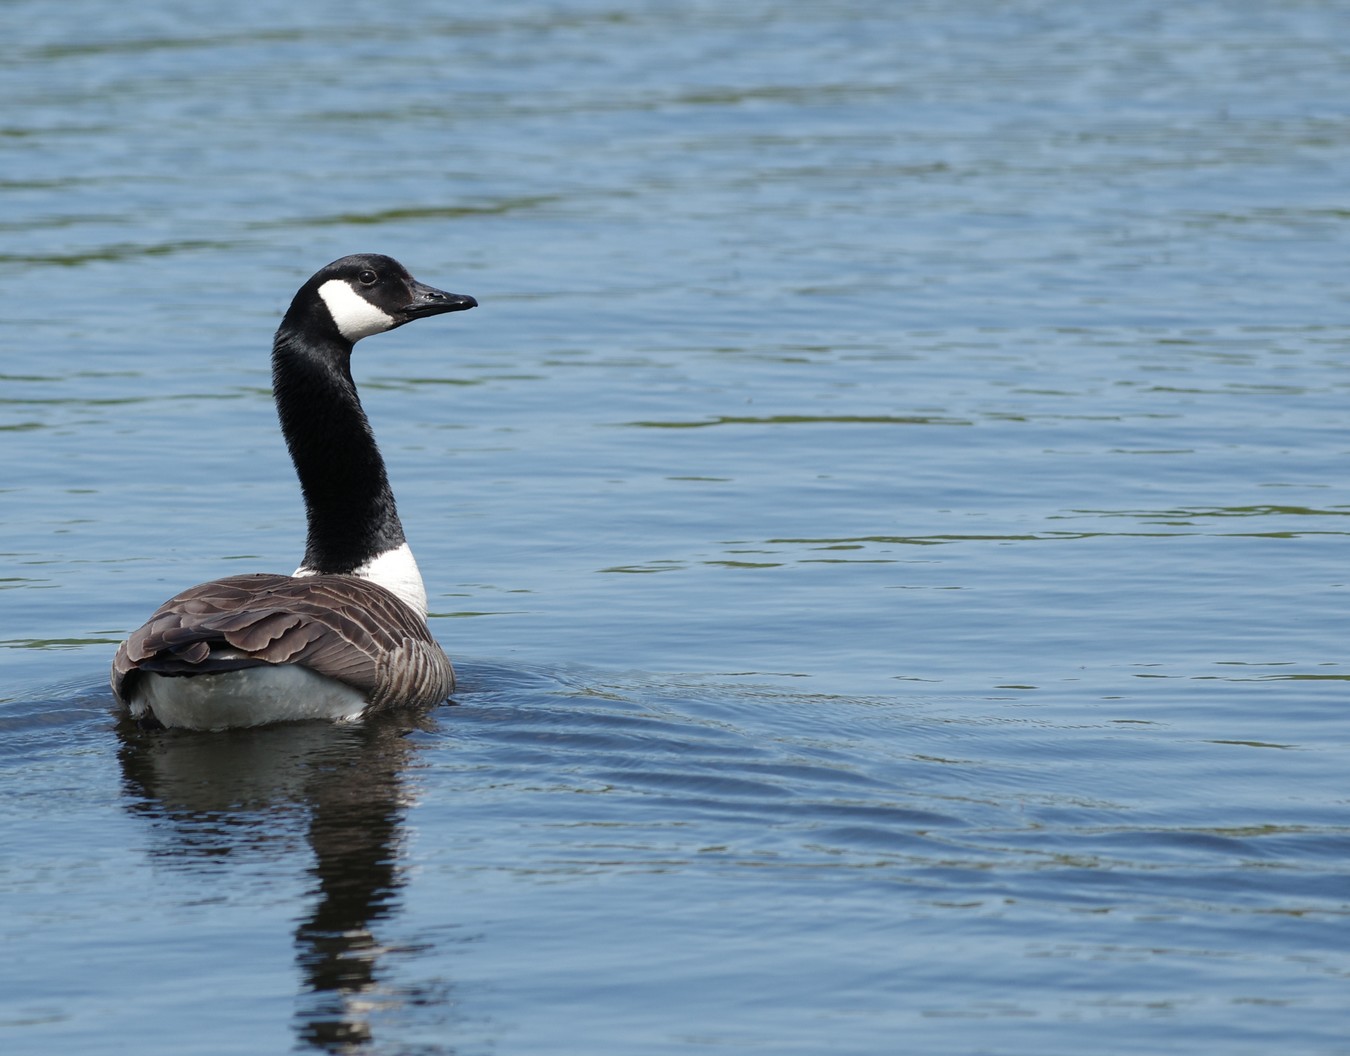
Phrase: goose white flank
(346,634)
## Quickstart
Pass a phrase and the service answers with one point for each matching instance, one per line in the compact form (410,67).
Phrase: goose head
(364,294)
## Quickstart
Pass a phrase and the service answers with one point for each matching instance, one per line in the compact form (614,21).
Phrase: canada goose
(347,633)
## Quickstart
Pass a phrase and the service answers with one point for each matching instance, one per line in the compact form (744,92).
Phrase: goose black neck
(348,503)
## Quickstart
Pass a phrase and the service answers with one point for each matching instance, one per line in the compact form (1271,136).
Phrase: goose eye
(367,278)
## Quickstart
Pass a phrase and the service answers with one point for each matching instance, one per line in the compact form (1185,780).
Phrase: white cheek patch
(354,316)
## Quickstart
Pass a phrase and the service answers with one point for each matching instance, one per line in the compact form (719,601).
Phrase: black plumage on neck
(349,506)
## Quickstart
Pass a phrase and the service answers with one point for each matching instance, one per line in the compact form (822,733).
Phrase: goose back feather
(341,627)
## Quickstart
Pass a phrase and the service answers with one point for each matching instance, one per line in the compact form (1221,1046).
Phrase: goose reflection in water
(340,789)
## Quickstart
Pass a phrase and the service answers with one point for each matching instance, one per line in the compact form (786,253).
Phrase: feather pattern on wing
(339,626)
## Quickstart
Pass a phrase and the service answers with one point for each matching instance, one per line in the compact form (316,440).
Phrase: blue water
(889,516)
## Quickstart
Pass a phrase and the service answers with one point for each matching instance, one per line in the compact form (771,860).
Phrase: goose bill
(427,300)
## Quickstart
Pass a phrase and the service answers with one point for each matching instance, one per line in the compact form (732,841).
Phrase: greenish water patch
(802,419)
(115,252)
(414,213)
(56,643)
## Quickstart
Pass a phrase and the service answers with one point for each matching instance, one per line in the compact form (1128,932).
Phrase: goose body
(346,633)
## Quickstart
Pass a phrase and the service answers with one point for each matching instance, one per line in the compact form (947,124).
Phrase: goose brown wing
(342,627)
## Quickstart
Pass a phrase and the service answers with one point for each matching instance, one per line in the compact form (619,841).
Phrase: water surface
(888,515)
